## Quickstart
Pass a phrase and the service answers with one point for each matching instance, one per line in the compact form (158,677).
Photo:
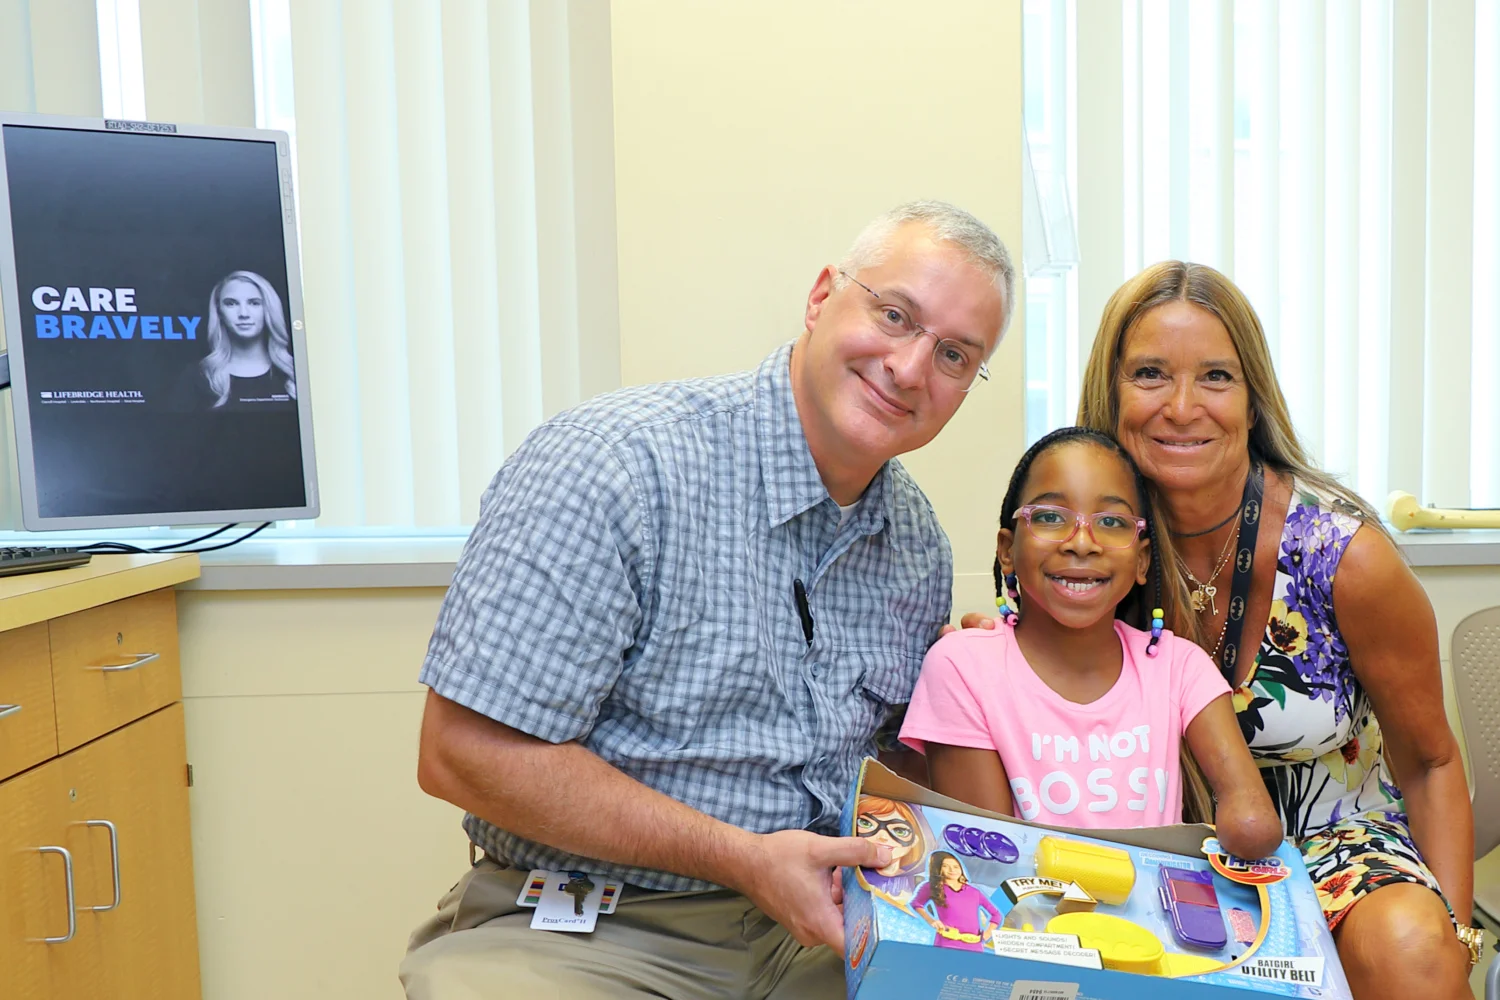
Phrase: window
(1337,161)
(454,189)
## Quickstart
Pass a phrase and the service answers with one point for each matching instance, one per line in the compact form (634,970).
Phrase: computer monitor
(153,315)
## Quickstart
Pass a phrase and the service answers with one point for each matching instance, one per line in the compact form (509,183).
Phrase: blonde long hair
(215,365)
(1273,439)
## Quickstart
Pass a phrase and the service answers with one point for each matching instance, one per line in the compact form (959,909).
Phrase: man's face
(874,397)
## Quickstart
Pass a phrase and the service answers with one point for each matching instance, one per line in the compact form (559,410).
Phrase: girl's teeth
(1078,586)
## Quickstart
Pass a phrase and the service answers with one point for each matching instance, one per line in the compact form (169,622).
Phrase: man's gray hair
(948,224)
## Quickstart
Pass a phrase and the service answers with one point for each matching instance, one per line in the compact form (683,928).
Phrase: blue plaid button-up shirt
(629,586)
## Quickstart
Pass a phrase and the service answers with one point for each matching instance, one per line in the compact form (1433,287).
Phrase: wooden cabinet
(33,888)
(96,881)
(28,728)
(112,664)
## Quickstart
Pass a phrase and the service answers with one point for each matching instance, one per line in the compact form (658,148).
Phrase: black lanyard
(1244,563)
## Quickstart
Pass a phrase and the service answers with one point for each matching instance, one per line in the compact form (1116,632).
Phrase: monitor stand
(16,559)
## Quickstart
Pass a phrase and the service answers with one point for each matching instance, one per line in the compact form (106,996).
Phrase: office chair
(1476,679)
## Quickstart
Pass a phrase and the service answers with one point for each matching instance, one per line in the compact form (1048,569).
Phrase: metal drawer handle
(114,856)
(137,660)
(68,874)
(8,710)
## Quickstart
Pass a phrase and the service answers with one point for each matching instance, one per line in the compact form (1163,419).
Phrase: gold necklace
(1203,593)
(1223,631)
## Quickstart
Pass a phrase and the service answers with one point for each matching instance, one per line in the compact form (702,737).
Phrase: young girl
(1063,713)
(958,905)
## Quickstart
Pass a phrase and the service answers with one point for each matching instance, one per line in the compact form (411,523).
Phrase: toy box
(978,906)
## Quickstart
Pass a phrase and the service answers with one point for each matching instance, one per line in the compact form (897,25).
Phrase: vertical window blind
(1338,159)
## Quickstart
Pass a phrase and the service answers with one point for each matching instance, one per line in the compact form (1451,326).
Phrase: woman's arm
(1244,818)
(970,774)
(993,924)
(1391,632)
(920,903)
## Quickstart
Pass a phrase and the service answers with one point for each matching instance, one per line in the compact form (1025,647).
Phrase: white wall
(314,852)
(745,163)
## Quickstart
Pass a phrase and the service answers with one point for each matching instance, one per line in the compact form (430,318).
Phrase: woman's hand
(1244,819)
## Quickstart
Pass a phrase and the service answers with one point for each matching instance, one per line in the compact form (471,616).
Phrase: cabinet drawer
(113,664)
(28,729)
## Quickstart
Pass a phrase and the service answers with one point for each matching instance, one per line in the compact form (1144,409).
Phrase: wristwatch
(1473,939)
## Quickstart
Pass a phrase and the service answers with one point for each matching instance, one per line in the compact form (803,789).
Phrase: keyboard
(38,558)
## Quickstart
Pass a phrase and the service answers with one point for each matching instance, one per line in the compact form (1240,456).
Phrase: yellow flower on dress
(1349,764)
(1288,629)
(1312,850)
(1336,893)
(1324,842)
(1242,697)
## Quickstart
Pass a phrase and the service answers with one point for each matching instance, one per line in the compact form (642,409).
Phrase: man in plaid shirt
(685,612)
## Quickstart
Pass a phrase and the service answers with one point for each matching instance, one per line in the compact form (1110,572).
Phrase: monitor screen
(154,322)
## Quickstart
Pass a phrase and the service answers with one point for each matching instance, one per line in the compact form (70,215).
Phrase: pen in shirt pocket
(803,611)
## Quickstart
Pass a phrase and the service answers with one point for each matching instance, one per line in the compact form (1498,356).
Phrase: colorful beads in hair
(1011,612)
(1158,617)
(1008,610)
(1158,622)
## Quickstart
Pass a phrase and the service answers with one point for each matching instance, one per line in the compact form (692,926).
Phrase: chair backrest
(1476,680)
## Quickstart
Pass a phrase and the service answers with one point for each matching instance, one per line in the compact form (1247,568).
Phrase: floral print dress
(1311,728)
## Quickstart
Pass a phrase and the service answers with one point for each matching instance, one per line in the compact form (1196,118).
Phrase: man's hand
(788,875)
(971,620)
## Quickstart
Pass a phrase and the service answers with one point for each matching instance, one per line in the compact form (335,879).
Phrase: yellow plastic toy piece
(1175,964)
(1122,945)
(1106,873)
(954,934)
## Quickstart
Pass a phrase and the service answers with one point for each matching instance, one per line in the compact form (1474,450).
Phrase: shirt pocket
(882,683)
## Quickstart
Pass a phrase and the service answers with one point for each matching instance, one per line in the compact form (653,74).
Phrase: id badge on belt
(568,901)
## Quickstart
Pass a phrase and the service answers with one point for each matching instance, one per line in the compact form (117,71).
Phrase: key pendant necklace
(1203,593)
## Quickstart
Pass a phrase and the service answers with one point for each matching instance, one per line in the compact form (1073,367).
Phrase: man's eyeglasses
(899,829)
(1109,529)
(955,360)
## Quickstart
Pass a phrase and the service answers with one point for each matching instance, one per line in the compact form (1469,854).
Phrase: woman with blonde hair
(249,360)
(1298,592)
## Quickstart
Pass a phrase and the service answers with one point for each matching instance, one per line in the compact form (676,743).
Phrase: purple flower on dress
(1312,544)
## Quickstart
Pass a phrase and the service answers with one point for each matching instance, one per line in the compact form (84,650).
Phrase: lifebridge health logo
(56,396)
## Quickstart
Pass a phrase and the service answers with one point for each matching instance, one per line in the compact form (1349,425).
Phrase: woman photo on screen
(249,360)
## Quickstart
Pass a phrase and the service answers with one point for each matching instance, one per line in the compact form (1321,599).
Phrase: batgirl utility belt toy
(978,906)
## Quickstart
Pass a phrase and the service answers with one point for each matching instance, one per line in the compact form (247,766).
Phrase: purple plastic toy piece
(1192,907)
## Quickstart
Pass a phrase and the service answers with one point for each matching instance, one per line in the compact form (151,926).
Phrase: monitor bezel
(31,518)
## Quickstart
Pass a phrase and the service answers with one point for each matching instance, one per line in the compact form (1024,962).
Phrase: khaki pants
(685,945)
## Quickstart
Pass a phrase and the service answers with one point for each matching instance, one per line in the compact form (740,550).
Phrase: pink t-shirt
(1109,764)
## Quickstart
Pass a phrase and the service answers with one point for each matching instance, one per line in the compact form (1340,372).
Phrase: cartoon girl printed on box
(902,829)
(957,906)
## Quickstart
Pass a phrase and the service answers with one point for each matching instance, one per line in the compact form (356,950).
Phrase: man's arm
(511,779)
